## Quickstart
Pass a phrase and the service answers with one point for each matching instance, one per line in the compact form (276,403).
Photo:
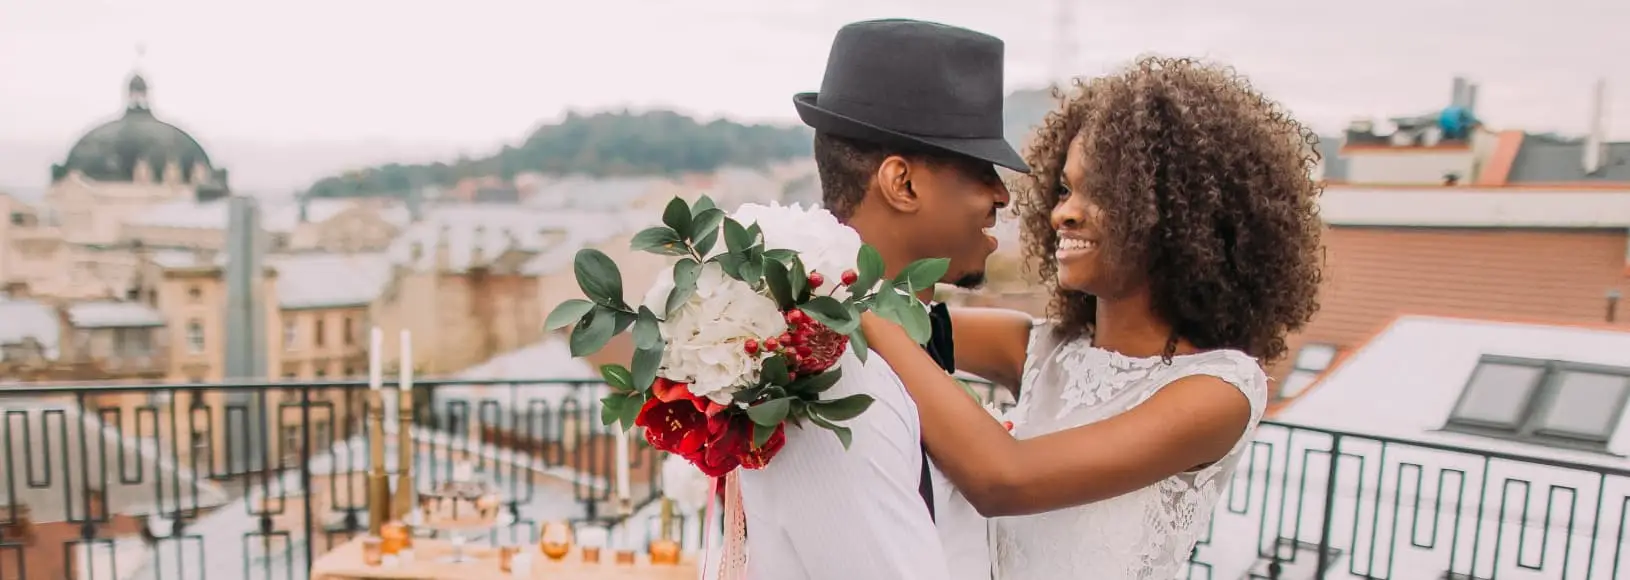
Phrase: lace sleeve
(1233,367)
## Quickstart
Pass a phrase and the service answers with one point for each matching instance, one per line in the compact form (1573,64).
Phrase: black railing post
(305,472)
(1329,506)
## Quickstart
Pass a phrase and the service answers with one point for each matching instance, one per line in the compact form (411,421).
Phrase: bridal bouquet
(737,341)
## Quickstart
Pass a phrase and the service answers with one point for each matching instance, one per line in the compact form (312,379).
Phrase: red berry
(849,277)
(771,344)
(751,346)
(786,339)
(797,317)
(796,360)
(805,351)
(816,279)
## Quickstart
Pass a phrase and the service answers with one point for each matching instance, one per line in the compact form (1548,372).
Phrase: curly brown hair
(1207,190)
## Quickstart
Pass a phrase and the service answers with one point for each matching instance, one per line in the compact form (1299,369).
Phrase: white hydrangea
(822,243)
(708,333)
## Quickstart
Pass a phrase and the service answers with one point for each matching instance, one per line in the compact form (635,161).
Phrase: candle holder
(403,503)
(664,550)
(379,487)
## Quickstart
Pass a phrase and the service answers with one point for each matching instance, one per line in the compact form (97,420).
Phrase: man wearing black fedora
(908,136)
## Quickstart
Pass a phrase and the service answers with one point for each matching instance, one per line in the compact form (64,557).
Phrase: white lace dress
(1146,534)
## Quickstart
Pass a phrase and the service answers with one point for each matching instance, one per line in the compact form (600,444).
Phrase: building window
(350,332)
(195,337)
(291,442)
(1295,560)
(317,333)
(1555,402)
(320,435)
(1311,361)
(195,293)
(291,335)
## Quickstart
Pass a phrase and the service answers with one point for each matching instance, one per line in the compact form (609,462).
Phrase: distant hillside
(623,144)
(598,145)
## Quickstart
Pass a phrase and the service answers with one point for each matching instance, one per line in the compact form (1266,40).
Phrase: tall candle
(376,350)
(405,376)
(622,463)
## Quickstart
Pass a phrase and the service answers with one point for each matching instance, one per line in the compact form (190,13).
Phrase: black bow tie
(941,346)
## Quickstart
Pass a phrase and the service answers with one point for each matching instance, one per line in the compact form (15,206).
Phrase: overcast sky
(276,90)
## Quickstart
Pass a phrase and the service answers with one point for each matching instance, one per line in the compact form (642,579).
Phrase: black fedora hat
(915,85)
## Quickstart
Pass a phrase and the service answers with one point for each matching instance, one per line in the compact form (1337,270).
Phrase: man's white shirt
(818,511)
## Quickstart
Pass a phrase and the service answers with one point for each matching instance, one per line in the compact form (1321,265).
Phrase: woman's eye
(1062,191)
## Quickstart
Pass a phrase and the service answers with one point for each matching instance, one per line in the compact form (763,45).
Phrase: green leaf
(842,409)
(967,388)
(868,269)
(677,215)
(752,268)
(631,409)
(686,271)
(818,383)
(611,408)
(623,321)
(736,238)
(761,435)
(775,276)
(617,377)
(661,240)
(731,264)
(858,345)
(914,318)
(923,274)
(568,313)
(647,361)
(593,332)
(599,278)
(747,395)
(774,371)
(835,315)
(647,334)
(780,255)
(702,204)
(799,278)
(769,413)
(844,435)
(704,229)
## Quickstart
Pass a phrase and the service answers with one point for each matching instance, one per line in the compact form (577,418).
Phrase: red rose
(825,348)
(673,419)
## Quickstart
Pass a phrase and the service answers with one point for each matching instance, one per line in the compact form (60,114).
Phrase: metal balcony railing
(255,480)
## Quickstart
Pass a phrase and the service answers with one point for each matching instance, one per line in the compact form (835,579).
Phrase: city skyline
(283,95)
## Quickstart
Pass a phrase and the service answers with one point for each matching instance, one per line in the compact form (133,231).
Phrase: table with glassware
(426,561)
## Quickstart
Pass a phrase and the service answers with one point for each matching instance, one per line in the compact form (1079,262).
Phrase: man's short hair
(846,167)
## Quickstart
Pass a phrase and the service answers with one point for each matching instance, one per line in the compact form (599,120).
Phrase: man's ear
(894,184)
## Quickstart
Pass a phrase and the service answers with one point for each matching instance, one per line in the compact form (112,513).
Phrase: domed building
(125,166)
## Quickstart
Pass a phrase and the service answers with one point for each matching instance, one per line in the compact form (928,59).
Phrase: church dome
(112,151)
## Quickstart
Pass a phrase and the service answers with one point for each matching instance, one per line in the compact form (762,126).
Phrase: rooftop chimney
(1457,95)
(1596,141)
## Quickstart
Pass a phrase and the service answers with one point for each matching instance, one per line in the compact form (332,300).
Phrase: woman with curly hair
(1173,212)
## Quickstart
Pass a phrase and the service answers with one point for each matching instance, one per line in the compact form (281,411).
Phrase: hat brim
(994,150)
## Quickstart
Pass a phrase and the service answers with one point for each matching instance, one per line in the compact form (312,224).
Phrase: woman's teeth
(1074,244)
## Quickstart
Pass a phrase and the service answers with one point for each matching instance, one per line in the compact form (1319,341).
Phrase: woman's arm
(1191,422)
(990,342)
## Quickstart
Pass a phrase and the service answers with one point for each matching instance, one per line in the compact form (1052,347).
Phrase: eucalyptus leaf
(769,413)
(677,215)
(923,274)
(844,435)
(835,315)
(775,276)
(593,332)
(611,408)
(623,321)
(617,377)
(567,314)
(704,228)
(782,255)
(914,319)
(799,279)
(631,409)
(647,361)
(858,345)
(731,264)
(599,278)
(868,269)
(818,383)
(752,269)
(647,334)
(755,235)
(686,271)
(702,204)
(736,238)
(659,240)
(773,371)
(761,435)
(842,409)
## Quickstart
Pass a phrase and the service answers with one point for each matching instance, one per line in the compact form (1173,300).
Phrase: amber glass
(555,541)
(664,552)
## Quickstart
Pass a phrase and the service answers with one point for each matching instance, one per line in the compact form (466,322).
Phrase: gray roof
(1546,159)
(488,230)
(1335,166)
(180,259)
(29,319)
(112,314)
(1471,207)
(330,280)
(278,216)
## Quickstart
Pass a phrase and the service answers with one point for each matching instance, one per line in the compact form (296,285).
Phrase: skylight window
(1545,401)
(1311,360)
